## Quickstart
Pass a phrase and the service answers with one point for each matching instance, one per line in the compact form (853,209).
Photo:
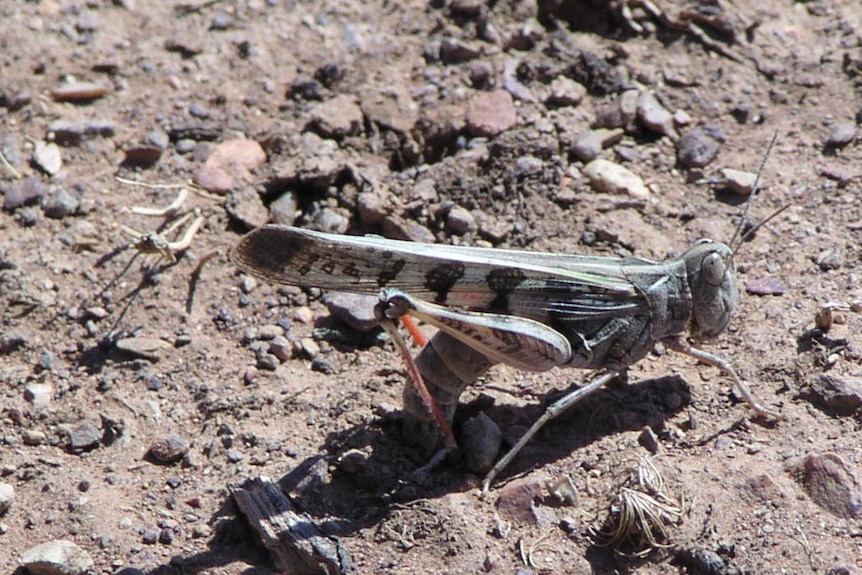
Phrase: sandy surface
(448,122)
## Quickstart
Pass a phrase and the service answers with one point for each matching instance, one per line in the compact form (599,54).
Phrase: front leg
(677,344)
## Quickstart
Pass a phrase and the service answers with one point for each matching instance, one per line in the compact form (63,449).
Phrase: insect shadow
(369,468)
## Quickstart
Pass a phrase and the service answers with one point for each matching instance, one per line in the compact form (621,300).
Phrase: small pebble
(453,51)
(229,161)
(250,376)
(269,331)
(480,439)
(284,209)
(79,92)
(840,395)
(221,21)
(47,156)
(60,204)
(355,310)
(696,149)
(398,228)
(67,133)
(149,348)
(609,177)
(322,365)
(491,113)
(85,436)
(842,134)
(267,362)
(829,260)
(654,116)
(281,348)
(7,497)
(708,562)
(33,437)
(831,484)
(39,394)
(58,557)
(588,145)
(30,191)
(738,181)
(353,461)
(460,221)
(565,92)
(765,286)
(168,449)
(649,440)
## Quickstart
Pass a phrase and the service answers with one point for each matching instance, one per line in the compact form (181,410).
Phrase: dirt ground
(137,390)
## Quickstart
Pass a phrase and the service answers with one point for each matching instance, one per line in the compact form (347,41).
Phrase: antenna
(754,189)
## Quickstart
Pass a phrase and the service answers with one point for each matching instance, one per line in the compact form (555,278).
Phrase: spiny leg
(552,412)
(678,345)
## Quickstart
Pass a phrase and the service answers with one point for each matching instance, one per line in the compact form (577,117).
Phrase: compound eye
(713,269)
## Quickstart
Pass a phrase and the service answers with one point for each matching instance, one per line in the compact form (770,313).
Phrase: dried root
(641,515)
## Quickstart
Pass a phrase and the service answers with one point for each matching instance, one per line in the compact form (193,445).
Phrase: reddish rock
(491,113)
(229,161)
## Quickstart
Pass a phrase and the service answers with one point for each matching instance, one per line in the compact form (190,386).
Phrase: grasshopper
(532,311)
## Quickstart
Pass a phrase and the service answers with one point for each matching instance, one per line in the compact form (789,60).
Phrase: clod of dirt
(337,117)
(764,488)
(59,557)
(516,501)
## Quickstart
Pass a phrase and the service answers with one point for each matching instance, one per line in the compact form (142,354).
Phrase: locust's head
(712,280)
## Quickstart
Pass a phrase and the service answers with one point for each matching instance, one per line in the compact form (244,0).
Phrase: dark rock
(29,191)
(85,437)
(696,149)
(837,395)
(168,449)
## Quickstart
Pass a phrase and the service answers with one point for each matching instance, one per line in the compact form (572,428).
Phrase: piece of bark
(297,544)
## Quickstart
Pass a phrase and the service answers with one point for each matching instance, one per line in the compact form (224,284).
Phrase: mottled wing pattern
(507,281)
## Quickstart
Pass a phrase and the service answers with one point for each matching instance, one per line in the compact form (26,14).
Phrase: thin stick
(149,186)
